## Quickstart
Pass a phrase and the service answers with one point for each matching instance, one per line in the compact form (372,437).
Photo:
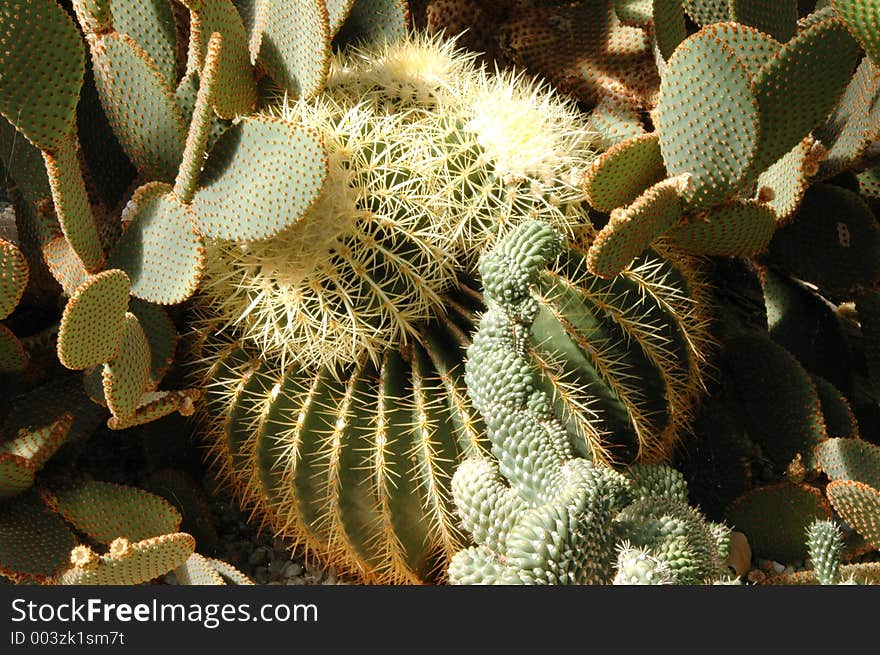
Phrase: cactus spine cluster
(335,403)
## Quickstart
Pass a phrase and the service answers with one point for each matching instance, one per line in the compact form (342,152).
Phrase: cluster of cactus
(539,514)
(90,532)
(344,434)
(792,422)
(318,184)
(60,527)
(779,93)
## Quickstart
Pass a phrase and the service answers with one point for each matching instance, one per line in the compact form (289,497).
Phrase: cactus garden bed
(440,292)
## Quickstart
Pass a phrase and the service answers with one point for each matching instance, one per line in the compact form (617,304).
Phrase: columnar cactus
(538,513)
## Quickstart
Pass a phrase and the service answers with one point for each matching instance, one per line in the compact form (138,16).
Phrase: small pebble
(756,576)
(291,570)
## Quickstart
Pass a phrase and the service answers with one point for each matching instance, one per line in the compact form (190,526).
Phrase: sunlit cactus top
(431,159)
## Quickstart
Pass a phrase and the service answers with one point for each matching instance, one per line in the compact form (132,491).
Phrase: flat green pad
(669,25)
(160,249)
(64,264)
(698,112)
(72,205)
(337,12)
(235,92)
(127,375)
(24,166)
(13,277)
(635,12)
(622,173)
(261,177)
(140,105)
(616,119)
(92,323)
(752,47)
(780,403)
(13,358)
(133,563)
(42,59)
(635,227)
(862,18)
(859,505)
(161,333)
(798,318)
(154,405)
(703,12)
(741,228)
(39,442)
(583,50)
(35,543)
(777,18)
(197,571)
(16,475)
(850,459)
(786,181)
(833,241)
(151,24)
(854,123)
(775,519)
(798,88)
(294,39)
(869,183)
(837,413)
(374,20)
(105,511)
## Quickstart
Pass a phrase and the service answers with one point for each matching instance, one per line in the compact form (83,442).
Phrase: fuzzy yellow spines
(509,147)
(363,265)
(424,174)
(354,463)
(523,152)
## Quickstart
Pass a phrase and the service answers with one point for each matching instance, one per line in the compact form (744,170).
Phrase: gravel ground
(260,555)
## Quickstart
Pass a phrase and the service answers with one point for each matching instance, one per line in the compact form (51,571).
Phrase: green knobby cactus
(385,513)
(538,513)
(47,536)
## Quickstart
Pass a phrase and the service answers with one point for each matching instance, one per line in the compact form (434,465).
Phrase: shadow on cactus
(331,353)
(538,513)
